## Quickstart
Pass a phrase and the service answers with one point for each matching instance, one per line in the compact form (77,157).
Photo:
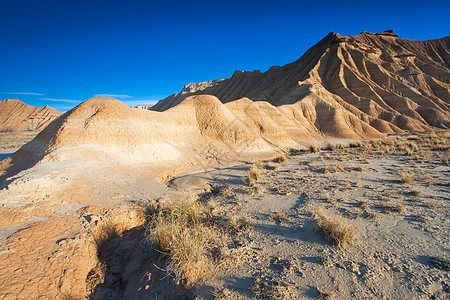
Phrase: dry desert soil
(346,220)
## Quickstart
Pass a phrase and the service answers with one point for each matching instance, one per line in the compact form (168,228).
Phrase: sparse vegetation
(271,166)
(239,223)
(441,263)
(396,208)
(325,260)
(314,149)
(332,147)
(280,159)
(406,177)
(185,233)
(278,216)
(336,228)
(254,174)
(11,139)
(269,289)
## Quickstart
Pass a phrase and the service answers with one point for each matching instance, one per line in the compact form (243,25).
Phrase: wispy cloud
(61,100)
(139,102)
(23,93)
(114,96)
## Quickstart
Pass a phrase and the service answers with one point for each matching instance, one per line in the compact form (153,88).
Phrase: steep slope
(14,114)
(389,83)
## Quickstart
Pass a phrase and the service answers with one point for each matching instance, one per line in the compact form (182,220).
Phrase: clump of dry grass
(332,147)
(333,168)
(226,191)
(337,228)
(271,166)
(270,289)
(240,223)
(406,177)
(255,190)
(282,191)
(373,215)
(183,231)
(254,174)
(396,208)
(278,216)
(314,149)
(416,192)
(280,159)
(221,293)
(364,204)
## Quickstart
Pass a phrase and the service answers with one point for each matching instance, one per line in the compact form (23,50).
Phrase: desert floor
(365,220)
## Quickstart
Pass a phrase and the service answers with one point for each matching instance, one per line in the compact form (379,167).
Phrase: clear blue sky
(62,52)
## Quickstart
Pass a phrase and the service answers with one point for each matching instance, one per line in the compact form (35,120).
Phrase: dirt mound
(199,131)
(390,84)
(14,114)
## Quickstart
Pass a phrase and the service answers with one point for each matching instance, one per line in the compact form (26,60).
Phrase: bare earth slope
(195,133)
(391,84)
(14,114)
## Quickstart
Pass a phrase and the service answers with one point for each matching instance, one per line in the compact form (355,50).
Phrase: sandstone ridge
(16,115)
(389,83)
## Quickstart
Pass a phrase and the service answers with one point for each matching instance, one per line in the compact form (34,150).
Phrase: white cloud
(114,96)
(139,102)
(25,93)
(61,100)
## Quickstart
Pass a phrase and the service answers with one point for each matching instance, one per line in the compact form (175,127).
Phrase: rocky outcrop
(199,86)
(16,115)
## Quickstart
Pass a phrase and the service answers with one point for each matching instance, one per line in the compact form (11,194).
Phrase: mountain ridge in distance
(17,115)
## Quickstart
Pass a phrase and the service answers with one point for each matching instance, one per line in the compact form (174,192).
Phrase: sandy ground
(47,249)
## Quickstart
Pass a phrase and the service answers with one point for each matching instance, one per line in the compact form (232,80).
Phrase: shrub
(314,149)
(185,233)
(254,174)
(336,228)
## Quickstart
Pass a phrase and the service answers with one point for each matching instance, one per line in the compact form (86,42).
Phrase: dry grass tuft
(396,208)
(271,166)
(332,147)
(183,231)
(270,289)
(254,174)
(314,149)
(337,228)
(255,190)
(278,216)
(282,191)
(226,192)
(333,168)
(240,223)
(280,159)
(406,177)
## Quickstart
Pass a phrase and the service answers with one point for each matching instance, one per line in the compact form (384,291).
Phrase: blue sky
(62,52)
